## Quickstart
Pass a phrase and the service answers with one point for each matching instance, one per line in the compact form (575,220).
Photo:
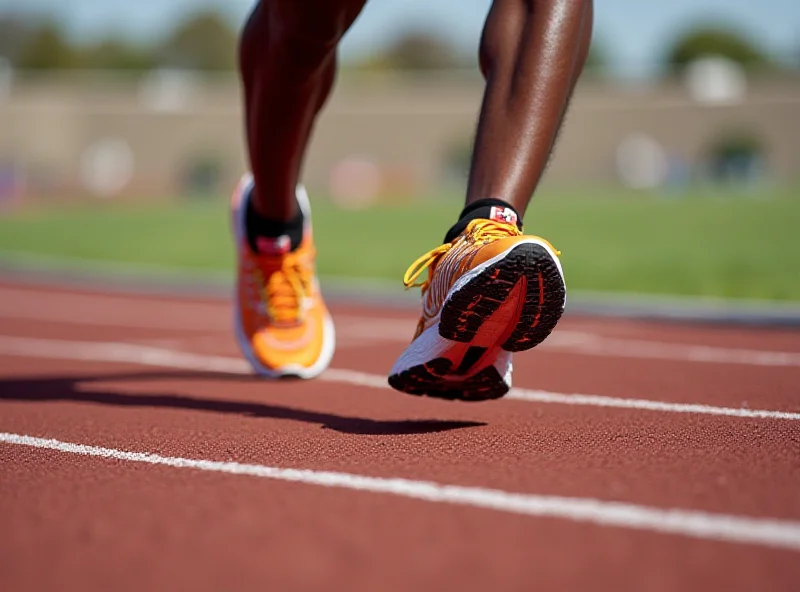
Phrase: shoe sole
(329,332)
(509,304)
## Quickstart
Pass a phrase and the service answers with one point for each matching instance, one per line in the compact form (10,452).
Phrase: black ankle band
(258,226)
(490,209)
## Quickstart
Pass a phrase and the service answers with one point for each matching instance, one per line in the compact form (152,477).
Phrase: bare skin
(288,65)
(532,53)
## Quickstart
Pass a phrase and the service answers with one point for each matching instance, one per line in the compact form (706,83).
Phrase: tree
(416,50)
(45,48)
(14,34)
(113,54)
(597,59)
(713,41)
(422,51)
(203,42)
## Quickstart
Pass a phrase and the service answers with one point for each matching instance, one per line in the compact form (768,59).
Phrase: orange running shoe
(490,292)
(282,324)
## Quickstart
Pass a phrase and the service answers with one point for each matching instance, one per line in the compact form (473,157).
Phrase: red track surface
(71,522)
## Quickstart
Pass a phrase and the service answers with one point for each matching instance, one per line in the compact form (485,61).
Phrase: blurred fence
(176,133)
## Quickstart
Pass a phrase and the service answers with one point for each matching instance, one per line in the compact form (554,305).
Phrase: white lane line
(538,396)
(680,352)
(594,344)
(695,524)
(113,311)
(166,358)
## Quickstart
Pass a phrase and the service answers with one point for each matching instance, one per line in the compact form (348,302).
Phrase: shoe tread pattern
(466,310)
(436,379)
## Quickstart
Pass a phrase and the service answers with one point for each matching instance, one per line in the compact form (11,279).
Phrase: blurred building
(176,134)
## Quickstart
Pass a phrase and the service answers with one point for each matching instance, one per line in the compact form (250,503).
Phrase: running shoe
(490,292)
(281,322)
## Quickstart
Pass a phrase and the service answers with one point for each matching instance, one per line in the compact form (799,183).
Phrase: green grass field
(704,245)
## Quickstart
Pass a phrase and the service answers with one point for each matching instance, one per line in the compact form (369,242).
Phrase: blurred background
(677,171)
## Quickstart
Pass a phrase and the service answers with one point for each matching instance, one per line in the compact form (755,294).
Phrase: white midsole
(431,346)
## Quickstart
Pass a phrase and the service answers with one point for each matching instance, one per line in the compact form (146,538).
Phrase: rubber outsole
(465,312)
(430,380)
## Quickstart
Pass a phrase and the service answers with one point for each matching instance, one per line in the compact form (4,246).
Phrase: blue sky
(634,32)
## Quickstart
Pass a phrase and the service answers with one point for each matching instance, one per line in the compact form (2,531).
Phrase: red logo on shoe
(274,246)
(505,215)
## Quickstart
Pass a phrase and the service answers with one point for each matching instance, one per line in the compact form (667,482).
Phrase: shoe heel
(544,299)
(539,309)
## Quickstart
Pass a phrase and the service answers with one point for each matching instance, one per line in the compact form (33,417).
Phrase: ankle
(281,207)
(273,235)
(489,209)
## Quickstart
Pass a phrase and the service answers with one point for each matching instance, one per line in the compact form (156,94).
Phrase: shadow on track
(74,389)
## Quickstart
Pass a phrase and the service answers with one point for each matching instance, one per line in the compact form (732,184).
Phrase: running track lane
(97,522)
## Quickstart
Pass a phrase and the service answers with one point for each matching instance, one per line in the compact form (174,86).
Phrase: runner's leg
(288,67)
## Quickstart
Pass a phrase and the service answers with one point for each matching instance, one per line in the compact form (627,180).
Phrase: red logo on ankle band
(273,246)
(505,215)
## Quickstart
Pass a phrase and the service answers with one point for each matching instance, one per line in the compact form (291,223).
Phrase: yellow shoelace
(477,231)
(287,288)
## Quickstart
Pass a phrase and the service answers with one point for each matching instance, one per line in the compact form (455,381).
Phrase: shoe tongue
(279,245)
